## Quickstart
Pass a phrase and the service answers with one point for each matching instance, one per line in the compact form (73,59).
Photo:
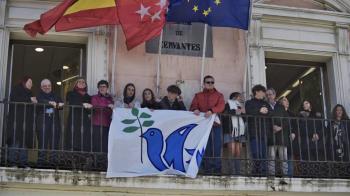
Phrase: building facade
(307,35)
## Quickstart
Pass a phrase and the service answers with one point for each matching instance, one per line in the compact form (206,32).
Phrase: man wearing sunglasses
(210,101)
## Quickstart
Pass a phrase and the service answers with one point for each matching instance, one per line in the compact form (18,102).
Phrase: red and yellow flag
(141,20)
(74,14)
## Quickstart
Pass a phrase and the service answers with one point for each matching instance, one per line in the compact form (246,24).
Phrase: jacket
(102,114)
(177,105)
(21,118)
(208,100)
(259,125)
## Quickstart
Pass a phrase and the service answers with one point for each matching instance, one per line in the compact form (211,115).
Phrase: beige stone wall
(227,66)
(311,4)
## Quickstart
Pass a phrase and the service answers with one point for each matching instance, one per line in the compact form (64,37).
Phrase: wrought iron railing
(40,136)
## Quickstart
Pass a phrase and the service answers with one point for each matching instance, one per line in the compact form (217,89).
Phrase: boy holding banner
(211,101)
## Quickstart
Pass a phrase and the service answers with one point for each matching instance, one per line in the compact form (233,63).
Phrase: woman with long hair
(149,101)
(128,99)
(79,124)
(338,136)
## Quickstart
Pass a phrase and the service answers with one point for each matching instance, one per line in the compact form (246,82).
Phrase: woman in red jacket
(101,116)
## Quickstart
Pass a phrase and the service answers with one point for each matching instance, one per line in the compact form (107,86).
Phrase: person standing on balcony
(173,101)
(48,123)
(289,124)
(128,99)
(234,129)
(310,148)
(149,101)
(338,135)
(79,124)
(210,101)
(310,127)
(278,139)
(20,122)
(259,126)
(101,119)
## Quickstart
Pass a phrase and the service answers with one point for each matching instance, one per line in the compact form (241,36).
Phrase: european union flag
(221,13)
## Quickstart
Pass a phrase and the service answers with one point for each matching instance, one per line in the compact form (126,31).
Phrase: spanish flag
(74,14)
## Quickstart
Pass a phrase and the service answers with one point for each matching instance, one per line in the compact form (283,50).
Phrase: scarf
(238,126)
(128,100)
(81,91)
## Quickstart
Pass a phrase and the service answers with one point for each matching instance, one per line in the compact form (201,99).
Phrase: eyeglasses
(209,82)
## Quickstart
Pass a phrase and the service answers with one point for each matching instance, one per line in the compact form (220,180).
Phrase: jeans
(213,151)
(258,152)
(282,154)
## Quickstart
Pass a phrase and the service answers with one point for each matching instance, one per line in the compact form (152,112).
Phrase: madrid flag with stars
(141,20)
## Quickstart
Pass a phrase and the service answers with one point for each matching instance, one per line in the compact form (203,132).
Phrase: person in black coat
(259,126)
(310,128)
(20,135)
(149,100)
(278,136)
(309,146)
(173,101)
(79,124)
(48,122)
(337,137)
(338,143)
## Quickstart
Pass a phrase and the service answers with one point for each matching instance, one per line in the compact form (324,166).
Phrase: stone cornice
(301,13)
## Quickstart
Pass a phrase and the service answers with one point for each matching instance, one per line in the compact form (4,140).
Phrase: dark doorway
(58,62)
(298,81)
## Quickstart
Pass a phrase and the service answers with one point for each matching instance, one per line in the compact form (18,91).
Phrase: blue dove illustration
(173,154)
(154,139)
(199,155)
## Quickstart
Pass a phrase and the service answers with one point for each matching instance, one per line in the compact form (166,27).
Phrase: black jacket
(78,120)
(282,118)
(337,137)
(259,125)
(20,118)
(309,124)
(47,116)
(177,105)
(151,105)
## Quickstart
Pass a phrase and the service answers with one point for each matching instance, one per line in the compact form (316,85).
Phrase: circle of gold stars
(205,12)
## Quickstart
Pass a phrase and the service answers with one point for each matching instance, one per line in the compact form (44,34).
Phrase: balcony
(69,157)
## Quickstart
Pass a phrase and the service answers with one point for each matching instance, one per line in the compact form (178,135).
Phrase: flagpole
(203,55)
(247,76)
(158,63)
(114,64)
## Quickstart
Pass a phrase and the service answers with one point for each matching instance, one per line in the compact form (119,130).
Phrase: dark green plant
(146,123)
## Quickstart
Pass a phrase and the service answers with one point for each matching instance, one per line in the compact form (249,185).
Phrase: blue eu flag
(221,13)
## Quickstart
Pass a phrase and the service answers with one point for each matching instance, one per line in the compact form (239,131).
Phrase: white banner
(143,142)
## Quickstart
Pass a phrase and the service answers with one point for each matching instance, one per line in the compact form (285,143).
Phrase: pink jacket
(102,114)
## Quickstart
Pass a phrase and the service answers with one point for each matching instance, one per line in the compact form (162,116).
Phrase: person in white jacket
(234,129)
